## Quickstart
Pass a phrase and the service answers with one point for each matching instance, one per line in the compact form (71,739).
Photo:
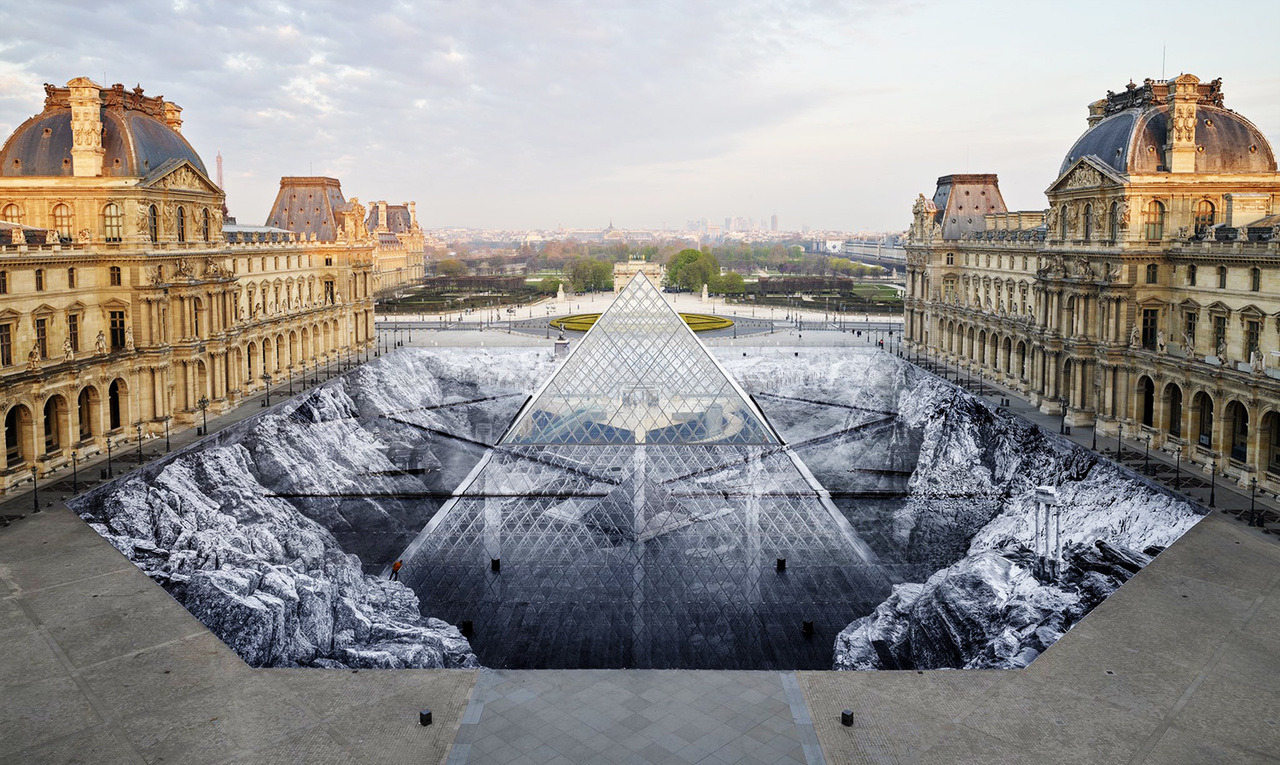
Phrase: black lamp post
(35,492)
(1177,469)
(138,425)
(1213,484)
(166,434)
(266,379)
(110,472)
(75,483)
(1255,518)
(1062,404)
(289,369)
(1146,457)
(203,403)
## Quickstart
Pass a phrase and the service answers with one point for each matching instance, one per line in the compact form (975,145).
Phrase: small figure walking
(395,571)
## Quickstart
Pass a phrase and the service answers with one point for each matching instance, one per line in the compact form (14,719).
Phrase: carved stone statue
(1160,344)
(1188,343)
(1222,351)
(128,338)
(1134,337)
(185,271)
(100,344)
(1256,362)
(33,358)
(67,353)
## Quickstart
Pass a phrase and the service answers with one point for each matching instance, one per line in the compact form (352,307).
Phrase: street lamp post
(1062,405)
(203,403)
(110,471)
(1213,483)
(289,369)
(1177,469)
(1255,518)
(138,425)
(166,434)
(1146,457)
(35,492)
(75,483)
(266,379)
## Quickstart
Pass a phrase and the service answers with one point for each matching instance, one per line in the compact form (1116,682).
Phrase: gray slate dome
(134,142)
(1131,137)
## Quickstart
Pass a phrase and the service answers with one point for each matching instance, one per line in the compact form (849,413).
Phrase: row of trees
(690,269)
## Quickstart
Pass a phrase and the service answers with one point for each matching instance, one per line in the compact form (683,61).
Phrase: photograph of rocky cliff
(277,532)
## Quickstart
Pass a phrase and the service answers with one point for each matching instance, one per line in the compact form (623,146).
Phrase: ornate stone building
(126,306)
(400,249)
(1145,298)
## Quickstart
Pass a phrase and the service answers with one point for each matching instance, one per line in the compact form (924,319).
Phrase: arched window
(1062,223)
(1255,279)
(1191,275)
(11,214)
(1088,222)
(1204,410)
(1153,220)
(1238,439)
(153,224)
(112,223)
(115,406)
(182,225)
(1115,221)
(204,226)
(62,222)
(1204,216)
(1174,394)
(1146,400)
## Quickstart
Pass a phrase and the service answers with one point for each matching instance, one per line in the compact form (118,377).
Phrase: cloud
(530,112)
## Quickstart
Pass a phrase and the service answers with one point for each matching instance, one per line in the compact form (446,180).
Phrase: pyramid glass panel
(640,376)
(634,515)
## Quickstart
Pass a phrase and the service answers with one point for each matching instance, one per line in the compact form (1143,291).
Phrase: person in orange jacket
(395,570)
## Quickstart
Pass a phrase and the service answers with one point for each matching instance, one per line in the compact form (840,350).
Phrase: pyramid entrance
(633,515)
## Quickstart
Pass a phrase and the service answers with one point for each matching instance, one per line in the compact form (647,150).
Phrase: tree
(549,285)
(690,269)
(587,274)
(731,284)
(451,267)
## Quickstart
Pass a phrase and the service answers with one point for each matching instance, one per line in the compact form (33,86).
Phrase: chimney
(86,127)
(1180,151)
(382,215)
(1097,110)
(173,117)
(413,214)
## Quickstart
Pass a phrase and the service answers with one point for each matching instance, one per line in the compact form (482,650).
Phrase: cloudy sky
(541,113)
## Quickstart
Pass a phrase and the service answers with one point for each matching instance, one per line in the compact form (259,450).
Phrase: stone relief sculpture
(33,358)
(67,353)
(100,344)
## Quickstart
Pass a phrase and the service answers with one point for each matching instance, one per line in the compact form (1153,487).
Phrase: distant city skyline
(530,115)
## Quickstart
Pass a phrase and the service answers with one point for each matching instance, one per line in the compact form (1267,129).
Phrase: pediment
(1189,304)
(1253,312)
(9,314)
(113,303)
(180,175)
(1218,306)
(1086,173)
(44,309)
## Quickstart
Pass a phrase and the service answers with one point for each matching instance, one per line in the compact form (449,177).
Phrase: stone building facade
(126,306)
(400,247)
(1145,298)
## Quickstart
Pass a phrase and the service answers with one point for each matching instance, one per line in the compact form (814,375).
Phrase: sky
(543,114)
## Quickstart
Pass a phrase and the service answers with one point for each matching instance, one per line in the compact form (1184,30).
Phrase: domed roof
(1131,137)
(134,142)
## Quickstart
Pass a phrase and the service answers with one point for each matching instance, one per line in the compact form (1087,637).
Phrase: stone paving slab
(99,665)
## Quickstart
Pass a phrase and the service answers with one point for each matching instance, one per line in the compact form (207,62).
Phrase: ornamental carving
(185,270)
(1184,123)
(182,178)
(1084,177)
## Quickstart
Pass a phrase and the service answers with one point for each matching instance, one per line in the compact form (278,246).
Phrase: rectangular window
(1190,330)
(1222,277)
(114,276)
(1153,273)
(1252,333)
(6,345)
(39,279)
(1150,327)
(73,331)
(328,260)
(1220,335)
(1191,275)
(117,330)
(328,293)
(71,278)
(4,282)
(42,337)
(1255,280)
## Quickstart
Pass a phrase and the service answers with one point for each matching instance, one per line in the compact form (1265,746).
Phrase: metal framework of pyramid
(640,376)
(636,509)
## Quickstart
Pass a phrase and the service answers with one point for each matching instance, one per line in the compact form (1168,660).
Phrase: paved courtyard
(99,665)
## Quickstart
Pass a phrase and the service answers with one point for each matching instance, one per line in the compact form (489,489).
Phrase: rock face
(973,488)
(219,525)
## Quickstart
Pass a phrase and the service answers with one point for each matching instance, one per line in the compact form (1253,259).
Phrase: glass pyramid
(636,510)
(640,376)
